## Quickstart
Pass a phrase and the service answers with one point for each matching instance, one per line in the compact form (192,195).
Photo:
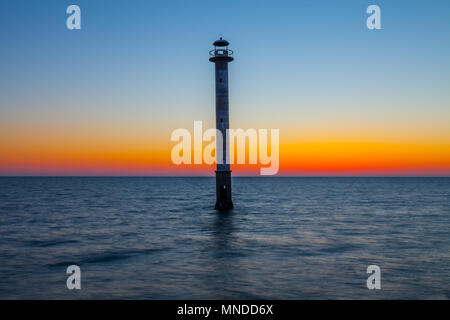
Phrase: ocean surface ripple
(287,238)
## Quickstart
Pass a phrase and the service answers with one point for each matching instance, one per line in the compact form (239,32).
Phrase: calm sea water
(287,238)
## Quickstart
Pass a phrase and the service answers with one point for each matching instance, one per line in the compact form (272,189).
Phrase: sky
(105,99)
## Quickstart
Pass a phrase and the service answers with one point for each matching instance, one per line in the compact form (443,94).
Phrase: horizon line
(212,176)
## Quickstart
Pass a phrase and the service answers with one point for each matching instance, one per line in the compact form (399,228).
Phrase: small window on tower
(221,120)
(220,80)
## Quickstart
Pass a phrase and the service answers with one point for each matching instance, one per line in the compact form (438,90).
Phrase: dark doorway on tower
(223,191)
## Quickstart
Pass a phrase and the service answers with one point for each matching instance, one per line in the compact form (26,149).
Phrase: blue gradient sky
(310,68)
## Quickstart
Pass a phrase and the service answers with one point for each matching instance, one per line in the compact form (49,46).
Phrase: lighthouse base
(223,190)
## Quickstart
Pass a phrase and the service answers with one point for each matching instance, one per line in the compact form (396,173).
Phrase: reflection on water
(222,247)
(223,233)
(287,238)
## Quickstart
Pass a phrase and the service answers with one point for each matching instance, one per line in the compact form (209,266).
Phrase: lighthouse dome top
(221,43)
(221,53)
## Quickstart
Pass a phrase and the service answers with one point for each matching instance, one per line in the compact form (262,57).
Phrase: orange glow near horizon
(57,156)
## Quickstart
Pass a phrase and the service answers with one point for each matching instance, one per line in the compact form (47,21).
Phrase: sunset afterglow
(104,100)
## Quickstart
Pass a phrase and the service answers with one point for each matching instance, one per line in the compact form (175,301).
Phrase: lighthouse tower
(221,56)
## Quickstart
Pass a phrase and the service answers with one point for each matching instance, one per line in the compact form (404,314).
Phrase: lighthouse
(221,56)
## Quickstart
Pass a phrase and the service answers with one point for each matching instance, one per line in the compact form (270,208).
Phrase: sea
(286,238)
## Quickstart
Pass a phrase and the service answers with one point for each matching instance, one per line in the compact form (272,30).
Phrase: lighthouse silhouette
(221,56)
